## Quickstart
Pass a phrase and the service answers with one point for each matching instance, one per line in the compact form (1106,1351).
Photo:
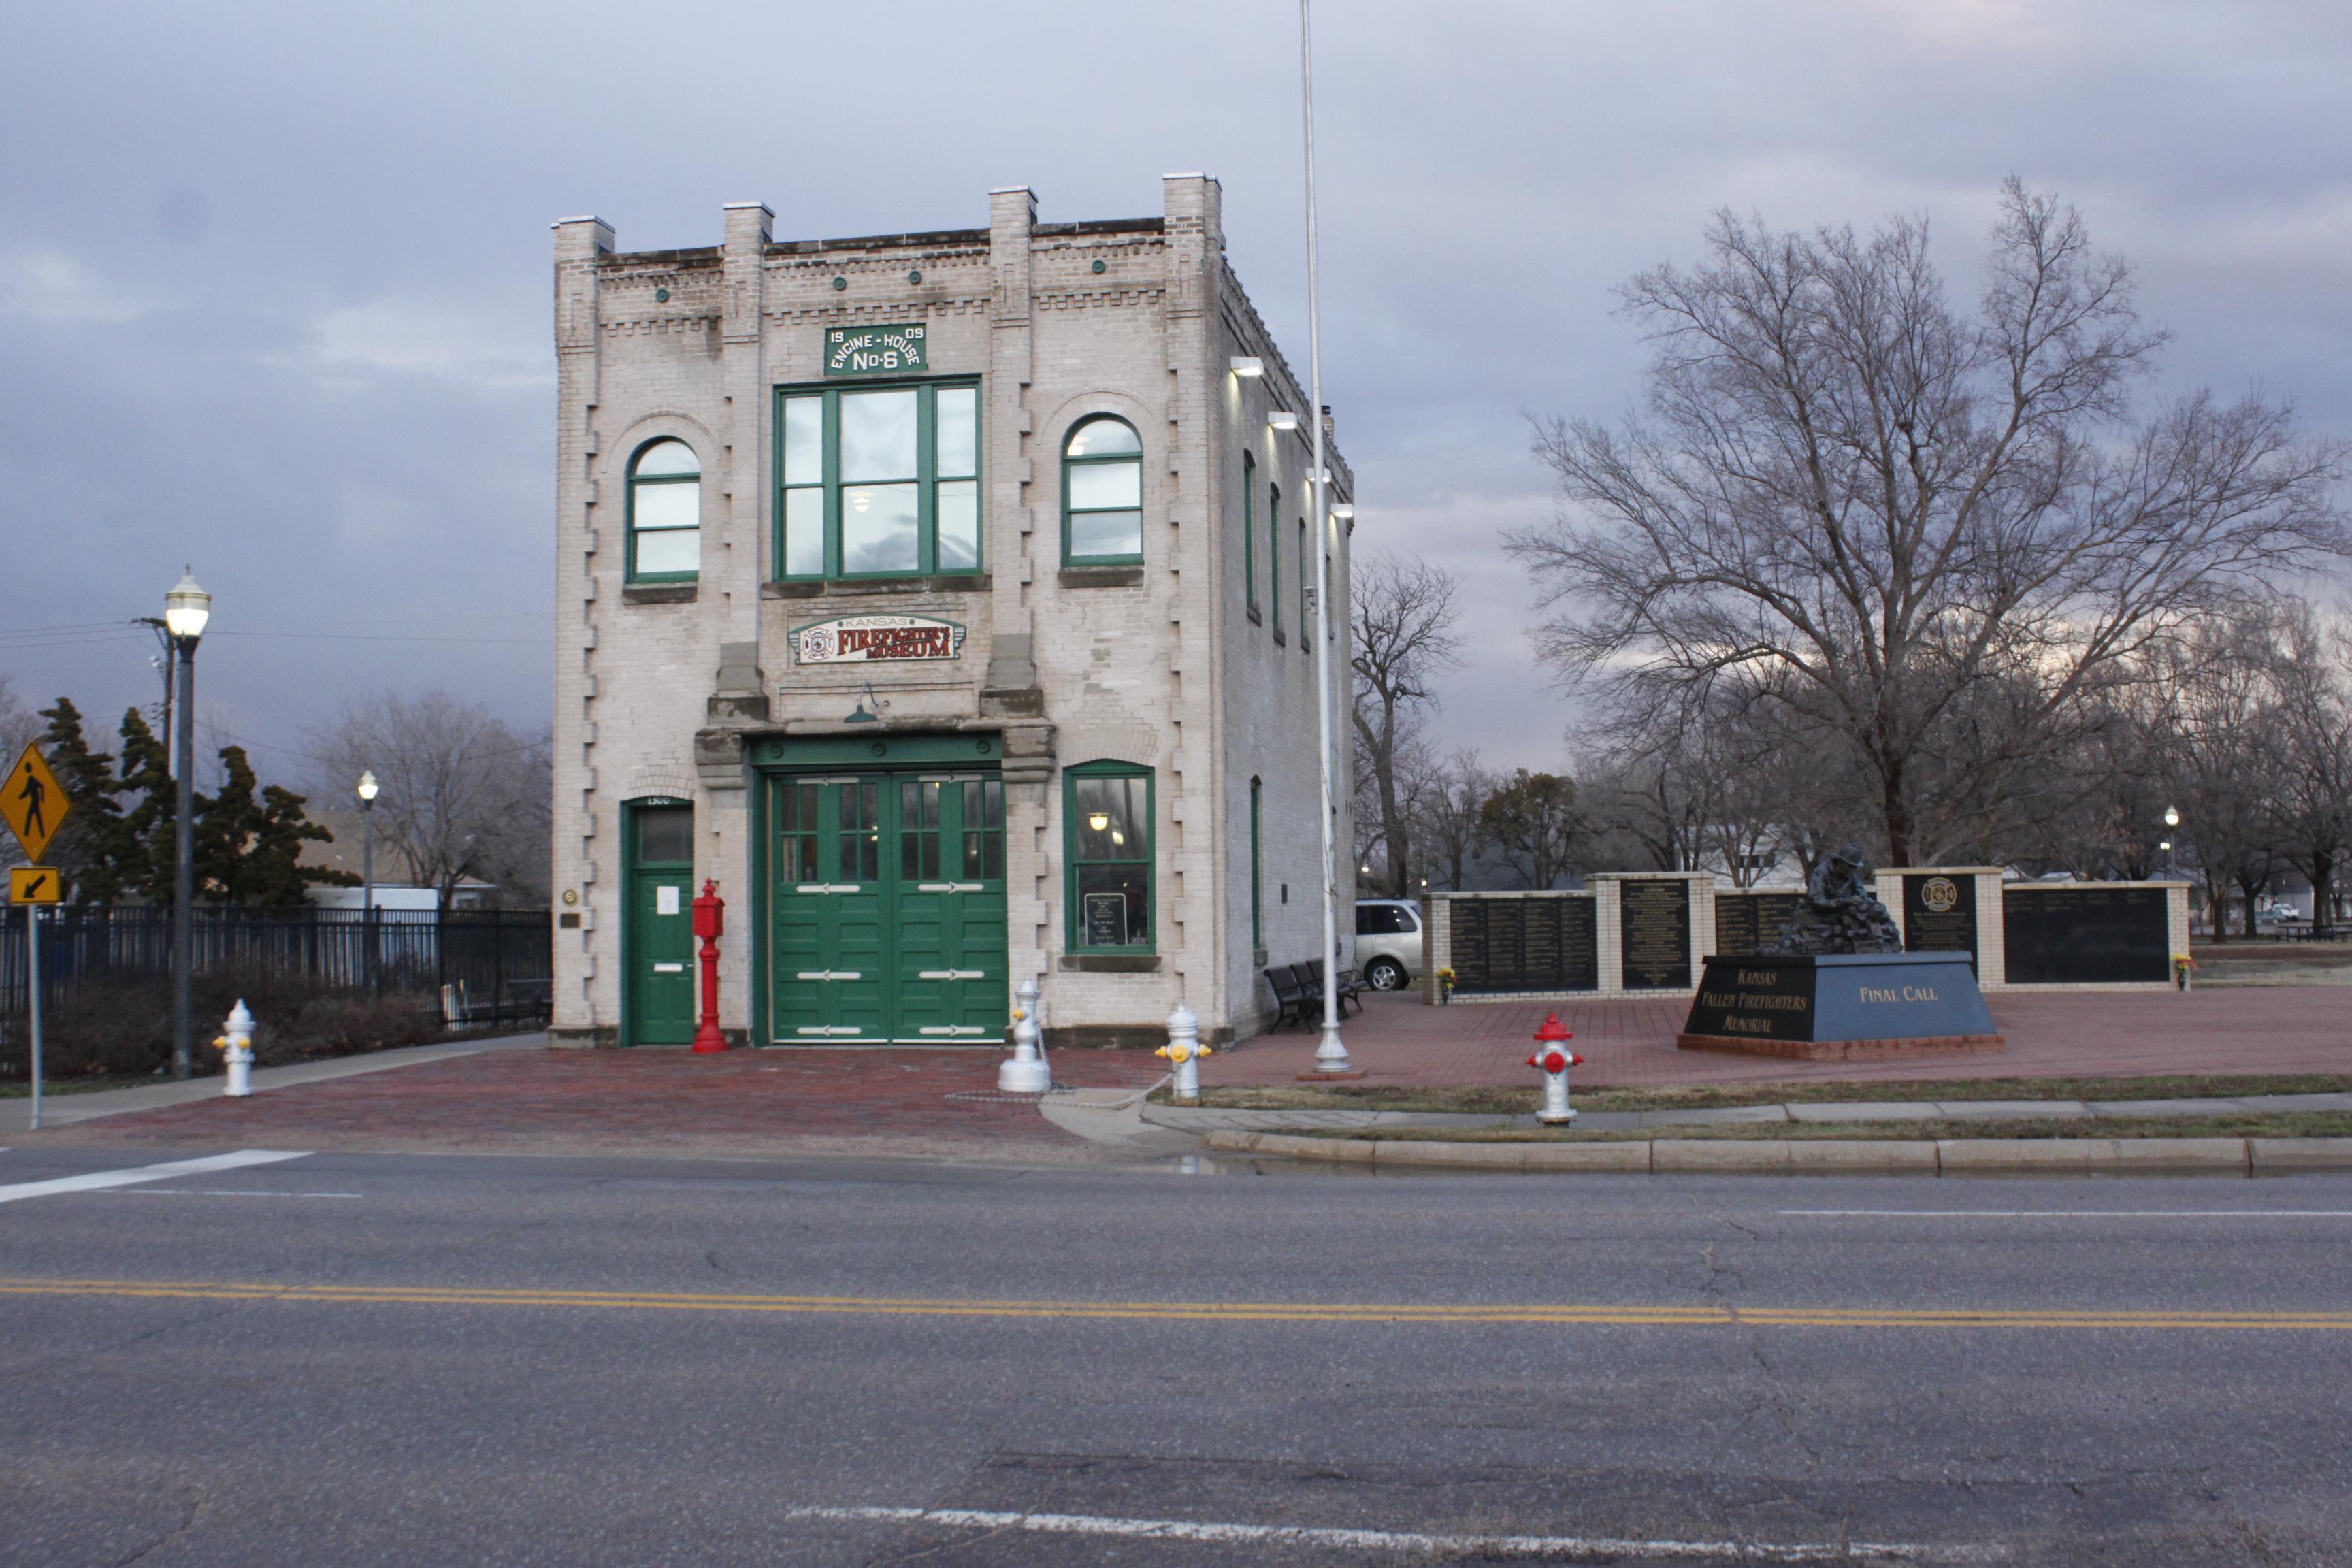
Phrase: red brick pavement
(644,1102)
(1631,1044)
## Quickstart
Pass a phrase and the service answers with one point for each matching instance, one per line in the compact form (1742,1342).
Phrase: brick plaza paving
(1398,1040)
(667,1101)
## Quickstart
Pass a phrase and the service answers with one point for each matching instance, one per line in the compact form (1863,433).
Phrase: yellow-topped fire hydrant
(237,1050)
(1184,1051)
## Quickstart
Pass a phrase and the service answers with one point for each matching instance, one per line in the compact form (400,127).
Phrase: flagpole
(1330,1052)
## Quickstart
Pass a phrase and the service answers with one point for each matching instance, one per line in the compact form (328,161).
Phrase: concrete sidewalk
(1202,1120)
(65,1109)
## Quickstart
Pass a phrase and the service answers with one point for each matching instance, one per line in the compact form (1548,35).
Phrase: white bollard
(1025,1071)
(237,1049)
(1184,1050)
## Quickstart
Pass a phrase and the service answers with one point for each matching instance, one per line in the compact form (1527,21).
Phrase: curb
(1825,1156)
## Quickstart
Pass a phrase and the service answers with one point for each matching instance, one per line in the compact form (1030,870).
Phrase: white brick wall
(1166,671)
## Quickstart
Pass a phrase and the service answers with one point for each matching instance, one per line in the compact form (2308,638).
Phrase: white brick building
(940,597)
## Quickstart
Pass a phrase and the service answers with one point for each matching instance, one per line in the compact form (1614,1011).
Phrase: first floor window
(878,481)
(1257,863)
(665,513)
(1107,815)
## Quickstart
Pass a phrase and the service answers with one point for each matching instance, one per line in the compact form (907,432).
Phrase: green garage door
(887,903)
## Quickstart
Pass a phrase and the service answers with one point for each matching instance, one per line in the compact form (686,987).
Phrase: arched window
(1102,494)
(665,513)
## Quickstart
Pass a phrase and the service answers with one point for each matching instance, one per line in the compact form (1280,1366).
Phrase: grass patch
(20,1088)
(1698,1097)
(2289,1124)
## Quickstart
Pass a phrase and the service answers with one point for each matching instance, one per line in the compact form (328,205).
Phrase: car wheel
(1384,975)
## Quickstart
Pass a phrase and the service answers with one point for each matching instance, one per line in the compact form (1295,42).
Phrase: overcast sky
(274,278)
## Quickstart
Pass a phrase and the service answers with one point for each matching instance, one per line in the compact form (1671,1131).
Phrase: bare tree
(463,795)
(1404,611)
(2314,711)
(2220,720)
(1532,822)
(1446,815)
(1857,503)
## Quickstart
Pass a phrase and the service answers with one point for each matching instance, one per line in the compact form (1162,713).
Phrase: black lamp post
(186,608)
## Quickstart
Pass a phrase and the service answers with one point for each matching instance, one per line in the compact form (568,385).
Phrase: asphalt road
(359,1359)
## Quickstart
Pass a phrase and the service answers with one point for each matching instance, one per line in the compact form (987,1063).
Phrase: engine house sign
(874,350)
(868,638)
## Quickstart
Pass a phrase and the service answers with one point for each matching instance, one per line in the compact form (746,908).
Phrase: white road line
(2068,1213)
(1390,1540)
(96,1181)
(220,1193)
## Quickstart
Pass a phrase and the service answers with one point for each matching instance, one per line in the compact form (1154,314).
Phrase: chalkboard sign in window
(1654,919)
(1106,821)
(2086,934)
(1525,944)
(1939,914)
(1745,922)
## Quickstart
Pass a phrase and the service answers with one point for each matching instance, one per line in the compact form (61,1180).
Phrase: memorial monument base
(1839,1006)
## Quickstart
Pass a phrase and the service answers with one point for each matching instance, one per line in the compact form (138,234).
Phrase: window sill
(1111,962)
(1255,619)
(1279,640)
(657,594)
(842,587)
(1100,576)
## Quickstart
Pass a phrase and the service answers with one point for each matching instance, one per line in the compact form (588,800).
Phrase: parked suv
(1388,943)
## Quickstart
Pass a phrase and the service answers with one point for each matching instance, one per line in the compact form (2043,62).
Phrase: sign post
(33,805)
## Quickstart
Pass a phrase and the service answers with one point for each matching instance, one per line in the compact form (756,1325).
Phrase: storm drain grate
(997,1096)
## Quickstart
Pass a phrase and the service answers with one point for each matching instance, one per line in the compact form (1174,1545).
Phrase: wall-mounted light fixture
(1282,420)
(1344,511)
(1247,365)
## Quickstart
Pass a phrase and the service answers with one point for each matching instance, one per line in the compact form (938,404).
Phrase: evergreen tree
(248,851)
(145,850)
(86,847)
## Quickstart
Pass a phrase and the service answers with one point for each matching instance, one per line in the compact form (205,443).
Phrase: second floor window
(1102,494)
(878,482)
(665,513)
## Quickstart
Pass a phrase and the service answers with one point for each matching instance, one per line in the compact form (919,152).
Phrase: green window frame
(1273,554)
(1249,531)
(664,512)
(1258,865)
(1108,882)
(1102,493)
(879,479)
(1306,593)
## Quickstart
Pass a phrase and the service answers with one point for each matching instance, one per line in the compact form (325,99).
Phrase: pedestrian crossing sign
(35,885)
(32,803)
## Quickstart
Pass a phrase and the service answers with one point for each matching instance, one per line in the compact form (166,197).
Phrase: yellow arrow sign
(32,803)
(35,885)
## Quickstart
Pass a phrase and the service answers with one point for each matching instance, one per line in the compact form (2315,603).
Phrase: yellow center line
(1634,1315)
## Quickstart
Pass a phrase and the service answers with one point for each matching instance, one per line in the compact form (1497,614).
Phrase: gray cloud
(273,278)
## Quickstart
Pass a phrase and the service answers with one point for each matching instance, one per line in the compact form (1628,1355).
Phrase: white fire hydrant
(1025,1071)
(237,1050)
(1553,1058)
(1184,1051)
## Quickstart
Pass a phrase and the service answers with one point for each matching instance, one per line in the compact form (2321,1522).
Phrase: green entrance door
(657,926)
(889,908)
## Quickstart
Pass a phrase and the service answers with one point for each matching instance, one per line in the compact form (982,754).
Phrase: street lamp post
(186,608)
(2171,856)
(367,793)
(1330,1051)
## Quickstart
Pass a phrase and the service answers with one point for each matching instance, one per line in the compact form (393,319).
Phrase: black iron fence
(501,958)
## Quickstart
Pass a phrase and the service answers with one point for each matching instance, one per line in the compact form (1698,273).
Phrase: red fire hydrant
(709,920)
(1553,1058)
